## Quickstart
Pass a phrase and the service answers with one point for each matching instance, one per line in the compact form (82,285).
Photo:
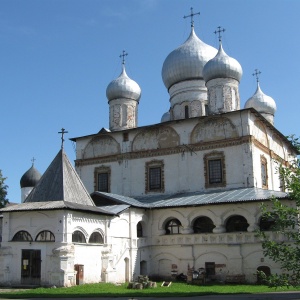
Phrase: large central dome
(187,61)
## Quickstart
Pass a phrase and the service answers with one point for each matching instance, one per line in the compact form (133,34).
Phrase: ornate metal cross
(218,31)
(123,56)
(192,16)
(256,74)
(62,132)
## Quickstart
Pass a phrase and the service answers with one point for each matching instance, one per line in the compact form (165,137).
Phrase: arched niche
(101,146)
(160,137)
(213,129)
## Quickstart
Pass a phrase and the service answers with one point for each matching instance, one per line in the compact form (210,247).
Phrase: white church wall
(90,256)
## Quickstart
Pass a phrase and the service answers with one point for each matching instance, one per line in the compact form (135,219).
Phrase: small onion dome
(30,178)
(166,117)
(123,87)
(261,102)
(187,61)
(222,66)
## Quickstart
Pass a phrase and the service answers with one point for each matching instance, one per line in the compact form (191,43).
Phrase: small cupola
(29,180)
(222,75)
(261,102)
(123,96)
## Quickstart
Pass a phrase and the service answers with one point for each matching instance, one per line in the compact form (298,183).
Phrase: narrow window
(103,182)
(186,111)
(214,169)
(139,229)
(125,137)
(154,176)
(264,172)
(102,179)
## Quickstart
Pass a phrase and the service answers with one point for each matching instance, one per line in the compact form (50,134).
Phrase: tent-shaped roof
(60,182)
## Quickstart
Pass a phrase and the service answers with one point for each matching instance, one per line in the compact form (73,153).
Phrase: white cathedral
(158,199)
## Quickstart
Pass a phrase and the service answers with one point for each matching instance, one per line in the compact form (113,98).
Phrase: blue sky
(58,56)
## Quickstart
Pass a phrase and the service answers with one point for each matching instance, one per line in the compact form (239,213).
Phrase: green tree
(286,222)
(3,191)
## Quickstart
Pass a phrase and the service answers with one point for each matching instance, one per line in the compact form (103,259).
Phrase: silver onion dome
(123,87)
(222,66)
(166,117)
(261,102)
(187,61)
(30,178)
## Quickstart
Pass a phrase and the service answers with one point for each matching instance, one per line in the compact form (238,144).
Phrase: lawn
(111,290)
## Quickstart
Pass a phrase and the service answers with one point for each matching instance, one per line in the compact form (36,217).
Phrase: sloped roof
(196,198)
(213,197)
(60,182)
(52,205)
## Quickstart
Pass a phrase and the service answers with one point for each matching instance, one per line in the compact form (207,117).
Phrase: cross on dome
(256,74)
(62,132)
(192,16)
(123,56)
(33,160)
(218,31)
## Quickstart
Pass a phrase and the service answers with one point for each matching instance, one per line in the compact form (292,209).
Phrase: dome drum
(223,95)
(188,91)
(122,114)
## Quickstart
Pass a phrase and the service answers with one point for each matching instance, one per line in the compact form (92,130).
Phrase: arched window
(22,236)
(96,238)
(203,225)
(78,237)
(45,236)
(266,223)
(139,229)
(236,223)
(173,226)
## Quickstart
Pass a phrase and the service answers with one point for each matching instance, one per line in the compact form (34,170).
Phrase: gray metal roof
(119,199)
(197,198)
(213,197)
(53,205)
(60,182)
(115,209)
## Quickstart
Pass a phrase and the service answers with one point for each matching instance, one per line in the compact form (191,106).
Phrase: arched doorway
(143,267)
(265,270)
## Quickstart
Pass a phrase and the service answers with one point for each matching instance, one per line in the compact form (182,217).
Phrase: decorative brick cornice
(164,151)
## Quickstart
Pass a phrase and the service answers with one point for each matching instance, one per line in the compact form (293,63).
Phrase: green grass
(111,290)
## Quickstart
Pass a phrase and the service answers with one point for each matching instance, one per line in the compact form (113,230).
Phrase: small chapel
(161,199)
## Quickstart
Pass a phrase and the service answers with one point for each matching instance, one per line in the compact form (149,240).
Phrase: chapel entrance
(31,267)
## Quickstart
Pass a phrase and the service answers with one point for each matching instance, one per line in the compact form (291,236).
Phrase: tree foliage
(3,191)
(285,216)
